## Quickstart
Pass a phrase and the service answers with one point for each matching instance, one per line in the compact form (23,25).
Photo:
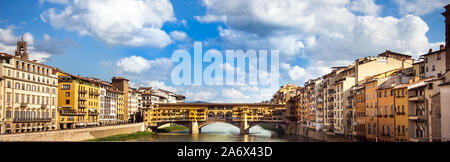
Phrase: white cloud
(329,32)
(234,94)
(126,22)
(368,7)
(179,35)
(199,96)
(420,7)
(133,64)
(160,85)
(210,18)
(7,36)
(54,1)
(138,64)
(296,73)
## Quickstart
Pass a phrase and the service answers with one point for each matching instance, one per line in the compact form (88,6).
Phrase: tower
(122,84)
(446,14)
(22,49)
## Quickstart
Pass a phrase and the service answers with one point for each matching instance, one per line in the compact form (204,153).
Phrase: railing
(82,98)
(400,113)
(71,112)
(30,120)
(417,117)
(43,106)
(82,91)
(23,105)
(416,98)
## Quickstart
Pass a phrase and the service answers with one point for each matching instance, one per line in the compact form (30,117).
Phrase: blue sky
(136,38)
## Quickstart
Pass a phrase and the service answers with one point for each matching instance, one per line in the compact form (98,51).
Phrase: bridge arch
(204,124)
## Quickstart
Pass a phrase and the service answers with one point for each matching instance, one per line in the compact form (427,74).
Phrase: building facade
(28,93)
(78,102)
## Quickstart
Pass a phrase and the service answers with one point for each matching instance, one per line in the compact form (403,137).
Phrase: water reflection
(219,132)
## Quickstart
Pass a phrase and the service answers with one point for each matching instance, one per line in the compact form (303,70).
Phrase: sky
(136,38)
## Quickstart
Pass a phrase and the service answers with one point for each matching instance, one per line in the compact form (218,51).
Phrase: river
(222,132)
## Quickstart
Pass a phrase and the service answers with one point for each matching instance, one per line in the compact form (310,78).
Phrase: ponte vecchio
(197,115)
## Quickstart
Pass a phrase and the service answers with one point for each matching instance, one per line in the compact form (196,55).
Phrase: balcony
(331,91)
(82,91)
(416,98)
(31,120)
(82,98)
(23,105)
(400,113)
(94,93)
(43,106)
(81,106)
(417,117)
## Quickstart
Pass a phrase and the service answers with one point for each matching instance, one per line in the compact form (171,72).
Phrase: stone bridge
(197,115)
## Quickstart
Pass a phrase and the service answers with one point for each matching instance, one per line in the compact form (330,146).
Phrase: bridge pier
(244,131)
(244,127)
(194,128)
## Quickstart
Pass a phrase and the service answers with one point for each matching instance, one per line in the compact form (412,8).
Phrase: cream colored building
(133,104)
(435,63)
(29,93)
(445,108)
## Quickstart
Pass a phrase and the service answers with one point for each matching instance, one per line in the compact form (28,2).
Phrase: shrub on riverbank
(172,128)
(123,137)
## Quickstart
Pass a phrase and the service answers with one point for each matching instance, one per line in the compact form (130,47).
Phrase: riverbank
(319,135)
(73,135)
(123,137)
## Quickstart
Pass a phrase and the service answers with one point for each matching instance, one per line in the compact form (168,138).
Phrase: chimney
(442,47)
(430,51)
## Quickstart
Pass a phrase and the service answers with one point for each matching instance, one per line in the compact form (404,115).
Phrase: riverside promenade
(73,135)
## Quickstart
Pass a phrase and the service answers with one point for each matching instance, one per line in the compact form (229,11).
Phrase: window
(8,97)
(65,86)
(17,98)
(439,56)
(67,102)
(433,68)
(67,94)
(9,84)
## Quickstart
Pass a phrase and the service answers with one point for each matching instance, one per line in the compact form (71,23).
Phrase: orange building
(360,102)
(385,113)
(371,109)
(401,112)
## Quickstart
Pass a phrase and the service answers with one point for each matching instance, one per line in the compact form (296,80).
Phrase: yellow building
(78,102)
(285,93)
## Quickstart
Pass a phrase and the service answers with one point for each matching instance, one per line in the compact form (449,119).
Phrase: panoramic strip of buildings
(389,97)
(35,97)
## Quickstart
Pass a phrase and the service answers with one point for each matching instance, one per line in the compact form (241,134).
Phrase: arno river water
(221,132)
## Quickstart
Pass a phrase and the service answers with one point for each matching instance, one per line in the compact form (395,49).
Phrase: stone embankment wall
(318,135)
(74,134)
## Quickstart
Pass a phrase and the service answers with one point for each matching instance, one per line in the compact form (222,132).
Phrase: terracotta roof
(442,50)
